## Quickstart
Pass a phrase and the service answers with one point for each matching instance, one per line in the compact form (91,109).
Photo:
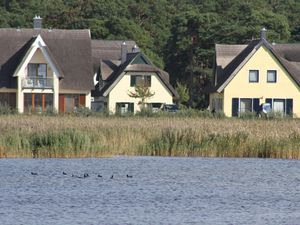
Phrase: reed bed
(71,136)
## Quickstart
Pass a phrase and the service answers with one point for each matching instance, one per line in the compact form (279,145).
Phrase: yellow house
(248,76)
(119,68)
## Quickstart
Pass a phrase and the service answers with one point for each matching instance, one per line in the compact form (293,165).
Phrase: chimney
(135,49)
(123,52)
(37,22)
(263,34)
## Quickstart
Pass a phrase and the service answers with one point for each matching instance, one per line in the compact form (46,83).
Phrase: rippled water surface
(161,191)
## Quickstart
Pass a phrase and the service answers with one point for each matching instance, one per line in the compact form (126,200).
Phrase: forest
(177,35)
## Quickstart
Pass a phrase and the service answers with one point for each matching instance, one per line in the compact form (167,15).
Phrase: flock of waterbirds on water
(85,175)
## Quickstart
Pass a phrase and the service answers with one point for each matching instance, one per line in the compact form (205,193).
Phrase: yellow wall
(120,93)
(262,60)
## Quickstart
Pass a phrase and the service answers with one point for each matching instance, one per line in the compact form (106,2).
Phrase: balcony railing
(37,83)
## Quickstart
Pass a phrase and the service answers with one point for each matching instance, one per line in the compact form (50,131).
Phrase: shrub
(146,112)
(82,111)
(5,109)
(248,115)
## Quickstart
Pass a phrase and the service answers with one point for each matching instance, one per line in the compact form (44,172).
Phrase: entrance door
(70,102)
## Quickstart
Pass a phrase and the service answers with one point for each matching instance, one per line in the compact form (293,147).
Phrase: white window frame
(257,76)
(275,76)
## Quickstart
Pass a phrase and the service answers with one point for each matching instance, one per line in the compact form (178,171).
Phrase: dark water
(161,191)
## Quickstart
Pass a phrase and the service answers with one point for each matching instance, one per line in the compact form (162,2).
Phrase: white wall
(38,57)
(120,92)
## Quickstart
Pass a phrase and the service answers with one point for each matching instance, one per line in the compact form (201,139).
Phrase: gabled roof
(231,58)
(107,63)
(107,50)
(38,43)
(69,49)
(129,66)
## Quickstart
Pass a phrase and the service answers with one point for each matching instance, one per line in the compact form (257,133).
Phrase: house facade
(119,68)
(45,69)
(248,76)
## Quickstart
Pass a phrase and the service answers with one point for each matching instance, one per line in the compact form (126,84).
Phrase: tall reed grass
(73,136)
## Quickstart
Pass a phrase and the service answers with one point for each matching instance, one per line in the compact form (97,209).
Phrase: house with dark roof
(44,69)
(119,67)
(249,77)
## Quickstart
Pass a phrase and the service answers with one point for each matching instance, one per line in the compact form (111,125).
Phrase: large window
(37,74)
(140,80)
(36,70)
(124,107)
(38,102)
(246,105)
(253,76)
(242,105)
(271,76)
(281,105)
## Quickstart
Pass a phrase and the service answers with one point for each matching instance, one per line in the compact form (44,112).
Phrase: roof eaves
(116,76)
(281,60)
(60,72)
(27,48)
(237,68)
(167,84)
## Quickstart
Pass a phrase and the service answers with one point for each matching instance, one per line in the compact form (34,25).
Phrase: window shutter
(132,81)
(289,106)
(235,107)
(256,106)
(269,100)
(61,103)
(131,107)
(82,100)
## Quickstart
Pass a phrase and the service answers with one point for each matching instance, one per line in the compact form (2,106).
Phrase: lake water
(161,191)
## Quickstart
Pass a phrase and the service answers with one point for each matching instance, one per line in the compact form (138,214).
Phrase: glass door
(278,106)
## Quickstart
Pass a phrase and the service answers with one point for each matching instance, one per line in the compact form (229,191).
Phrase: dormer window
(36,70)
(140,80)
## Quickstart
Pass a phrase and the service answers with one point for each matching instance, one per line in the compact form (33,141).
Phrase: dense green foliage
(178,35)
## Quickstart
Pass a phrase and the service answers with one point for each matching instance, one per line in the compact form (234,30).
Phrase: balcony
(39,83)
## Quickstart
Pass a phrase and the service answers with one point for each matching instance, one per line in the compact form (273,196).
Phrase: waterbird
(128,176)
(64,173)
(112,177)
(33,173)
(99,175)
(85,175)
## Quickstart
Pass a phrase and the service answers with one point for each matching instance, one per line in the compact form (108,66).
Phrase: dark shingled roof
(69,49)
(230,58)
(112,69)
(107,50)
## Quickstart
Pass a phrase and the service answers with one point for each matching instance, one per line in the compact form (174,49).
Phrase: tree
(183,93)
(143,92)
(190,50)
